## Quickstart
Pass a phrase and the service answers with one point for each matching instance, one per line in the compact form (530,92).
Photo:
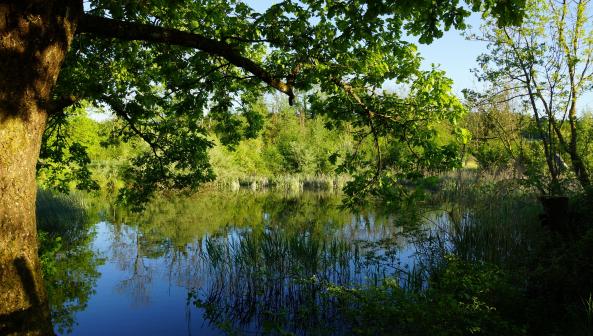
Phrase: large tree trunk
(34,38)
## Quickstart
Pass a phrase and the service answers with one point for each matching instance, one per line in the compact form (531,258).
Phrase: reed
(288,183)
(62,215)
(495,222)
(285,270)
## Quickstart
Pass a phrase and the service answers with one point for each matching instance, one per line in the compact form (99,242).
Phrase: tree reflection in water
(255,262)
(137,284)
(242,262)
(69,262)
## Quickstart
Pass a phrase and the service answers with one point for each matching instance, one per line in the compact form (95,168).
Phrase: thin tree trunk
(572,57)
(577,163)
(34,38)
(548,150)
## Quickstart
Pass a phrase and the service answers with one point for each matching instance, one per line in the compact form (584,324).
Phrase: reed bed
(482,220)
(281,270)
(290,183)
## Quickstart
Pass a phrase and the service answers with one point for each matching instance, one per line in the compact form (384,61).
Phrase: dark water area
(226,263)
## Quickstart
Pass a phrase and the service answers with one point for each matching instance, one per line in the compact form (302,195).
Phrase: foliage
(496,132)
(64,158)
(289,144)
(164,95)
(405,145)
(288,148)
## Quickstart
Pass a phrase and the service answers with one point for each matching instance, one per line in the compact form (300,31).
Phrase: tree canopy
(162,66)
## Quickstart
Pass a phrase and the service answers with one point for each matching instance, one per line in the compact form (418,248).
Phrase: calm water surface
(225,263)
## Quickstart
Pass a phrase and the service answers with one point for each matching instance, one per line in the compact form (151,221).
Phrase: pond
(227,263)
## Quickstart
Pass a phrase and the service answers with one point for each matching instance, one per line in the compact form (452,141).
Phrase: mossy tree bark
(34,38)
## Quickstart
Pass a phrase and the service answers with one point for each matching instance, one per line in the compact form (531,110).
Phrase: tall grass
(278,275)
(68,261)
(483,220)
(261,278)
(61,215)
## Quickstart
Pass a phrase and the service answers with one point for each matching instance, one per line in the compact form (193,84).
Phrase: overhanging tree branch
(132,31)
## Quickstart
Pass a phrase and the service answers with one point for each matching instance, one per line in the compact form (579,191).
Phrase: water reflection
(69,263)
(221,263)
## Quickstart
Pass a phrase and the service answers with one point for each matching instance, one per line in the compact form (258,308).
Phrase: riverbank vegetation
(490,269)
(516,260)
(293,150)
(68,261)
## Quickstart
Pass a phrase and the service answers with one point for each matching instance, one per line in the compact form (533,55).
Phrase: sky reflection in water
(242,262)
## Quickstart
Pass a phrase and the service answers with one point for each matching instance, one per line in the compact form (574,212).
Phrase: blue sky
(452,53)
(456,55)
